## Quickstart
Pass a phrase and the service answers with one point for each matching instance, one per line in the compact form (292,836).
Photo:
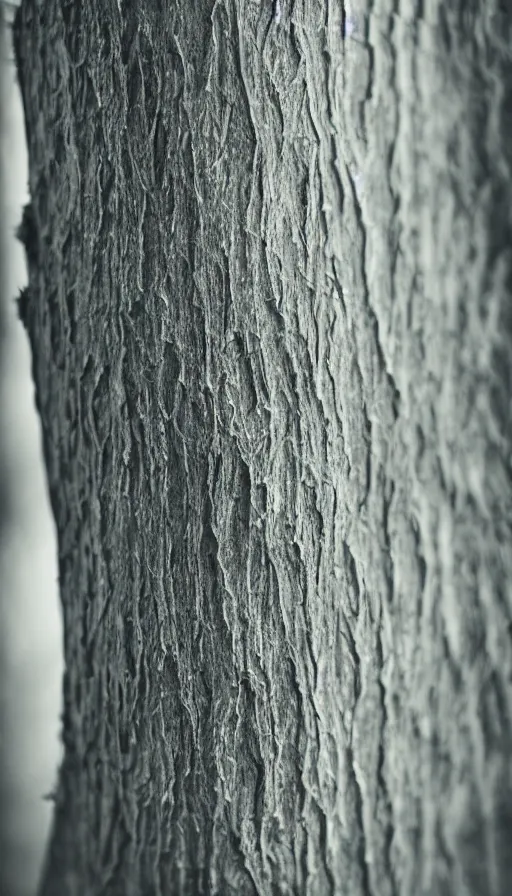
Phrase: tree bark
(269,306)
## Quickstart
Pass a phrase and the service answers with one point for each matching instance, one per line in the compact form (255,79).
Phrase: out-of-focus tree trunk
(270,314)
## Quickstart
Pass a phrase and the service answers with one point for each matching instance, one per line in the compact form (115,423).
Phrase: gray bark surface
(270,313)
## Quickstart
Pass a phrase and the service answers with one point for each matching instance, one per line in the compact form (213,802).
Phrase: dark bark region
(270,314)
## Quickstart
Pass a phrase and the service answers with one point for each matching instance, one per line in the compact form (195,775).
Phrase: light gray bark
(270,314)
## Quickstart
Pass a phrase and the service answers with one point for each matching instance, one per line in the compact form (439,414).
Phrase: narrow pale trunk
(270,315)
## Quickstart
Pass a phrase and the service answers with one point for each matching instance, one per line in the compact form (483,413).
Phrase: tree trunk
(269,304)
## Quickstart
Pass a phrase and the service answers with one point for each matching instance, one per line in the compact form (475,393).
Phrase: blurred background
(31,664)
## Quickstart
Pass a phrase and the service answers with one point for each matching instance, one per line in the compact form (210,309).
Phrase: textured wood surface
(270,314)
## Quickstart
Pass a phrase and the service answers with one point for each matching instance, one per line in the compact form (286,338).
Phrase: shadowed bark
(270,314)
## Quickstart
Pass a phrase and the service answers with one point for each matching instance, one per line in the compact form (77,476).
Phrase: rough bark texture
(270,312)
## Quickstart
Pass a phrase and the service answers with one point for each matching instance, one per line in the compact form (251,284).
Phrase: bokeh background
(31,662)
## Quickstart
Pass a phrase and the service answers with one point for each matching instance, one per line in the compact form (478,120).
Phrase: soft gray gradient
(30,624)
